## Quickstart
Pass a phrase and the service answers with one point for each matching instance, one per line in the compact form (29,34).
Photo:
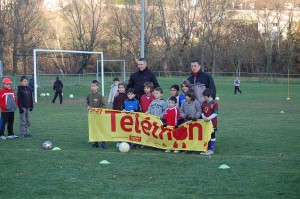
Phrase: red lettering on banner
(135,138)
(126,120)
(146,126)
(191,128)
(112,119)
(137,124)
(163,130)
(180,133)
(155,129)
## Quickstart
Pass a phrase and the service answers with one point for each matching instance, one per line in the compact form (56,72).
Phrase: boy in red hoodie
(8,104)
(172,116)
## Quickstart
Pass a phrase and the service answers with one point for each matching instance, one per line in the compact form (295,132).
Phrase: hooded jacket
(203,78)
(191,108)
(158,107)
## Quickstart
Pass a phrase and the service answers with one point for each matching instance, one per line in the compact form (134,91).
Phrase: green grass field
(255,140)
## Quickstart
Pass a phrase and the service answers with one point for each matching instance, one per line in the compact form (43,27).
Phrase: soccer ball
(42,94)
(124,147)
(47,145)
(47,94)
(217,98)
(71,96)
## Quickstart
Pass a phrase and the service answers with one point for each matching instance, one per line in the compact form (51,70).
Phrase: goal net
(63,66)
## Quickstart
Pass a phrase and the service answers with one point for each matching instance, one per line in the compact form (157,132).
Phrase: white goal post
(35,51)
(114,60)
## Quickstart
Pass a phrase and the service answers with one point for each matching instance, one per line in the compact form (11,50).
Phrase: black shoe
(95,145)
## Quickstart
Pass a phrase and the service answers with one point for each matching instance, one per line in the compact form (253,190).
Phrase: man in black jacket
(143,75)
(58,86)
(199,79)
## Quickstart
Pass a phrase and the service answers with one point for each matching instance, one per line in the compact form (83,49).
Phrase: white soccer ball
(42,94)
(124,147)
(47,145)
(47,94)
(217,98)
(71,96)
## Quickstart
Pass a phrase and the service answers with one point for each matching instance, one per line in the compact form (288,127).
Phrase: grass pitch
(257,142)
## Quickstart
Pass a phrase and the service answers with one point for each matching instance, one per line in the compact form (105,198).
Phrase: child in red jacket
(148,97)
(8,104)
(172,116)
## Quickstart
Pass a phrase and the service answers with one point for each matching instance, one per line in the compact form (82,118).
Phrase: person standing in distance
(200,81)
(58,86)
(140,77)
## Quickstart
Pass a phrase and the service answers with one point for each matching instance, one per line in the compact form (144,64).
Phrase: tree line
(176,31)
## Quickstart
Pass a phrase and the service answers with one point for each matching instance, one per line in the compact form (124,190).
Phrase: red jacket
(145,102)
(172,115)
(8,100)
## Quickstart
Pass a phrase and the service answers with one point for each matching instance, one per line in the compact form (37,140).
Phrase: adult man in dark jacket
(58,86)
(199,79)
(143,75)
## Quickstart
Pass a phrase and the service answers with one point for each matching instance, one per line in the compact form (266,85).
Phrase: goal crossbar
(35,51)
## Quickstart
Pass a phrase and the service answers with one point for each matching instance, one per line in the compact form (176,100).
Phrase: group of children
(10,102)
(178,108)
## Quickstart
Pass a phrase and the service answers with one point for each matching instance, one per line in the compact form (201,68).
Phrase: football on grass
(124,147)
(47,145)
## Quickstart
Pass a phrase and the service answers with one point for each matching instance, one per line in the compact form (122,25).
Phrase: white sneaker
(12,136)
(2,137)
(208,153)
(167,151)
(118,144)
(176,151)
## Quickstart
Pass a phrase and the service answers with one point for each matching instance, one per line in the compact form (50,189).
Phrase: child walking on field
(237,83)
(210,112)
(95,100)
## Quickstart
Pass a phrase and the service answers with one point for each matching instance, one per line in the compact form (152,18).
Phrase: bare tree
(3,18)
(84,20)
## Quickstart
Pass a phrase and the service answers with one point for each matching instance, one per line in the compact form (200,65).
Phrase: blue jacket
(131,105)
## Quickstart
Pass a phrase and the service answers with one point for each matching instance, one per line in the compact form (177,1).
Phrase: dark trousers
(58,93)
(237,88)
(7,117)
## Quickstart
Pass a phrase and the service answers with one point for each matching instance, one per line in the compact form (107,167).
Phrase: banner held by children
(146,129)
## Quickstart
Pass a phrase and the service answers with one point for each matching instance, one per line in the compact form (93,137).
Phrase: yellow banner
(147,129)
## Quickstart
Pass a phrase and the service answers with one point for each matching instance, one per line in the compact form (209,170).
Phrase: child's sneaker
(176,151)
(12,136)
(118,144)
(167,151)
(2,137)
(208,153)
